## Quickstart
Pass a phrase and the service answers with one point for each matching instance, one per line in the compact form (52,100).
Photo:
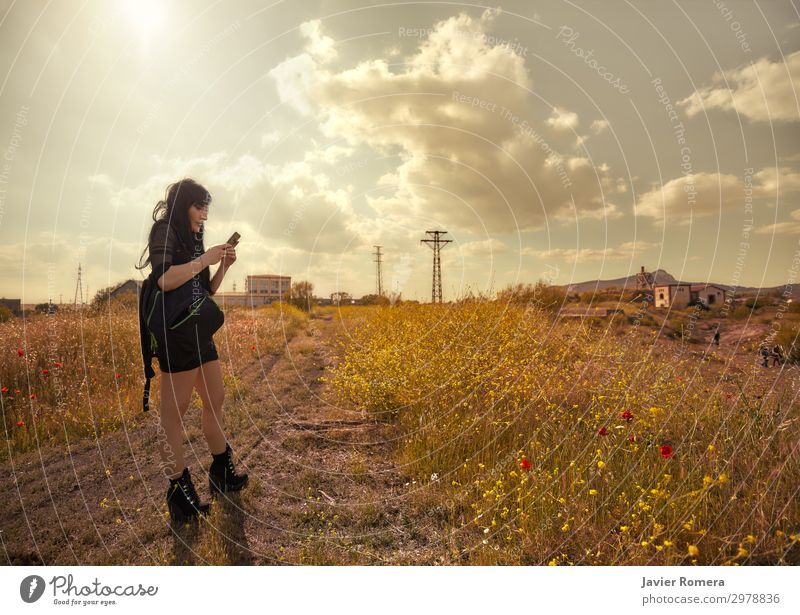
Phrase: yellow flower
(601,464)
(693,551)
(723,478)
(741,552)
(711,447)
(623,528)
(592,491)
(750,538)
(552,562)
(707,480)
(565,527)
(667,543)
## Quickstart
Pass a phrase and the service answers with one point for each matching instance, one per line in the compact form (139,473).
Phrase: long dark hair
(174,210)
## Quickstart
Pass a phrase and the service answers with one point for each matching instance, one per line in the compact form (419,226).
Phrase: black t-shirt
(167,250)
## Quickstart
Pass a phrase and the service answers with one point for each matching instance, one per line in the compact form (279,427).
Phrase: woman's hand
(216,253)
(229,256)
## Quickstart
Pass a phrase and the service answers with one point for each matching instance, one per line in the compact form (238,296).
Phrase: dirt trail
(323,486)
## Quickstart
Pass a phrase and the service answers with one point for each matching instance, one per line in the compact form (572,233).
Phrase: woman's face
(197,216)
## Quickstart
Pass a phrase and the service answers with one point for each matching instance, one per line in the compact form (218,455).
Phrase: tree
(300,295)
(374,299)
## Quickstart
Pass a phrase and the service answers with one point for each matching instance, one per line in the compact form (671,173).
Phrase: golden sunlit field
(578,443)
(475,432)
(80,373)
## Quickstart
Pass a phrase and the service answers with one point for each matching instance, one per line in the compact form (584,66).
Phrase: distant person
(716,337)
(177,256)
(764,356)
(777,355)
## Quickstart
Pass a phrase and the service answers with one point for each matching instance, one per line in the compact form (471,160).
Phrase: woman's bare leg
(208,383)
(176,395)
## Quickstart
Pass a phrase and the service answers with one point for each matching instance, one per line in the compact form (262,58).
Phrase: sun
(145,18)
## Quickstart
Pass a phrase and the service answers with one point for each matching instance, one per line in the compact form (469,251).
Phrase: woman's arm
(217,279)
(180,274)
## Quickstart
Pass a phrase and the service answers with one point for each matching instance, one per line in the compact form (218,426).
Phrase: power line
(436,244)
(378,273)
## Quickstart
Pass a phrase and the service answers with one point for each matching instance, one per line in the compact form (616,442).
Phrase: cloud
(599,126)
(790,227)
(561,119)
(292,204)
(701,194)
(762,91)
(581,255)
(485,247)
(474,152)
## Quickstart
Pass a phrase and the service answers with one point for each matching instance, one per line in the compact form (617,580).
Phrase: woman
(177,255)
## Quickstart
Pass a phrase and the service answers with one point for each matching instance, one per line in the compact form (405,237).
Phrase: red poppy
(666,451)
(33,395)
(253,347)
(4,389)
(679,378)
(627,415)
(525,464)
(16,391)
(20,423)
(119,375)
(45,371)
(57,363)
(632,438)
(602,431)
(20,352)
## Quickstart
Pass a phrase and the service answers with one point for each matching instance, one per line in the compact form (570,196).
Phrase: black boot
(222,476)
(182,500)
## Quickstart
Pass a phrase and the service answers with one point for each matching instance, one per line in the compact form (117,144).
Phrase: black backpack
(186,314)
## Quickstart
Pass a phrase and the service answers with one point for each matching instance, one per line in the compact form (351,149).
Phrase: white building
(259,290)
(672,295)
(708,294)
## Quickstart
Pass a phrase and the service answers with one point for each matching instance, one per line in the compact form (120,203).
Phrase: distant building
(259,290)
(708,294)
(680,295)
(128,286)
(644,280)
(672,295)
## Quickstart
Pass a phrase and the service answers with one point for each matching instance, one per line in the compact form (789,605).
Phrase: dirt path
(323,486)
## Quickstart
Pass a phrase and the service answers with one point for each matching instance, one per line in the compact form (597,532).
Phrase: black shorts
(180,357)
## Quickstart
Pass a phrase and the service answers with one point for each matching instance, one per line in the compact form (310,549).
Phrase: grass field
(475,432)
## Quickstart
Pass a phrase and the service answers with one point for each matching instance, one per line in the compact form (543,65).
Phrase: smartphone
(234,239)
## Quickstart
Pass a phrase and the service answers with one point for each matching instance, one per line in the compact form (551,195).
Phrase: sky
(561,140)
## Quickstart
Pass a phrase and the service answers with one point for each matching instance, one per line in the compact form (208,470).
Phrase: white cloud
(702,194)
(484,247)
(789,227)
(599,126)
(462,164)
(581,255)
(762,91)
(561,119)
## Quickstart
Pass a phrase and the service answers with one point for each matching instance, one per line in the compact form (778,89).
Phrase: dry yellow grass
(80,373)
(562,444)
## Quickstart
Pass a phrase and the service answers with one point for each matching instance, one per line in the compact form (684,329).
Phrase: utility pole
(436,244)
(378,274)
(78,285)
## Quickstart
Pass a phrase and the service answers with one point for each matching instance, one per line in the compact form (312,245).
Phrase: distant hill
(663,277)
